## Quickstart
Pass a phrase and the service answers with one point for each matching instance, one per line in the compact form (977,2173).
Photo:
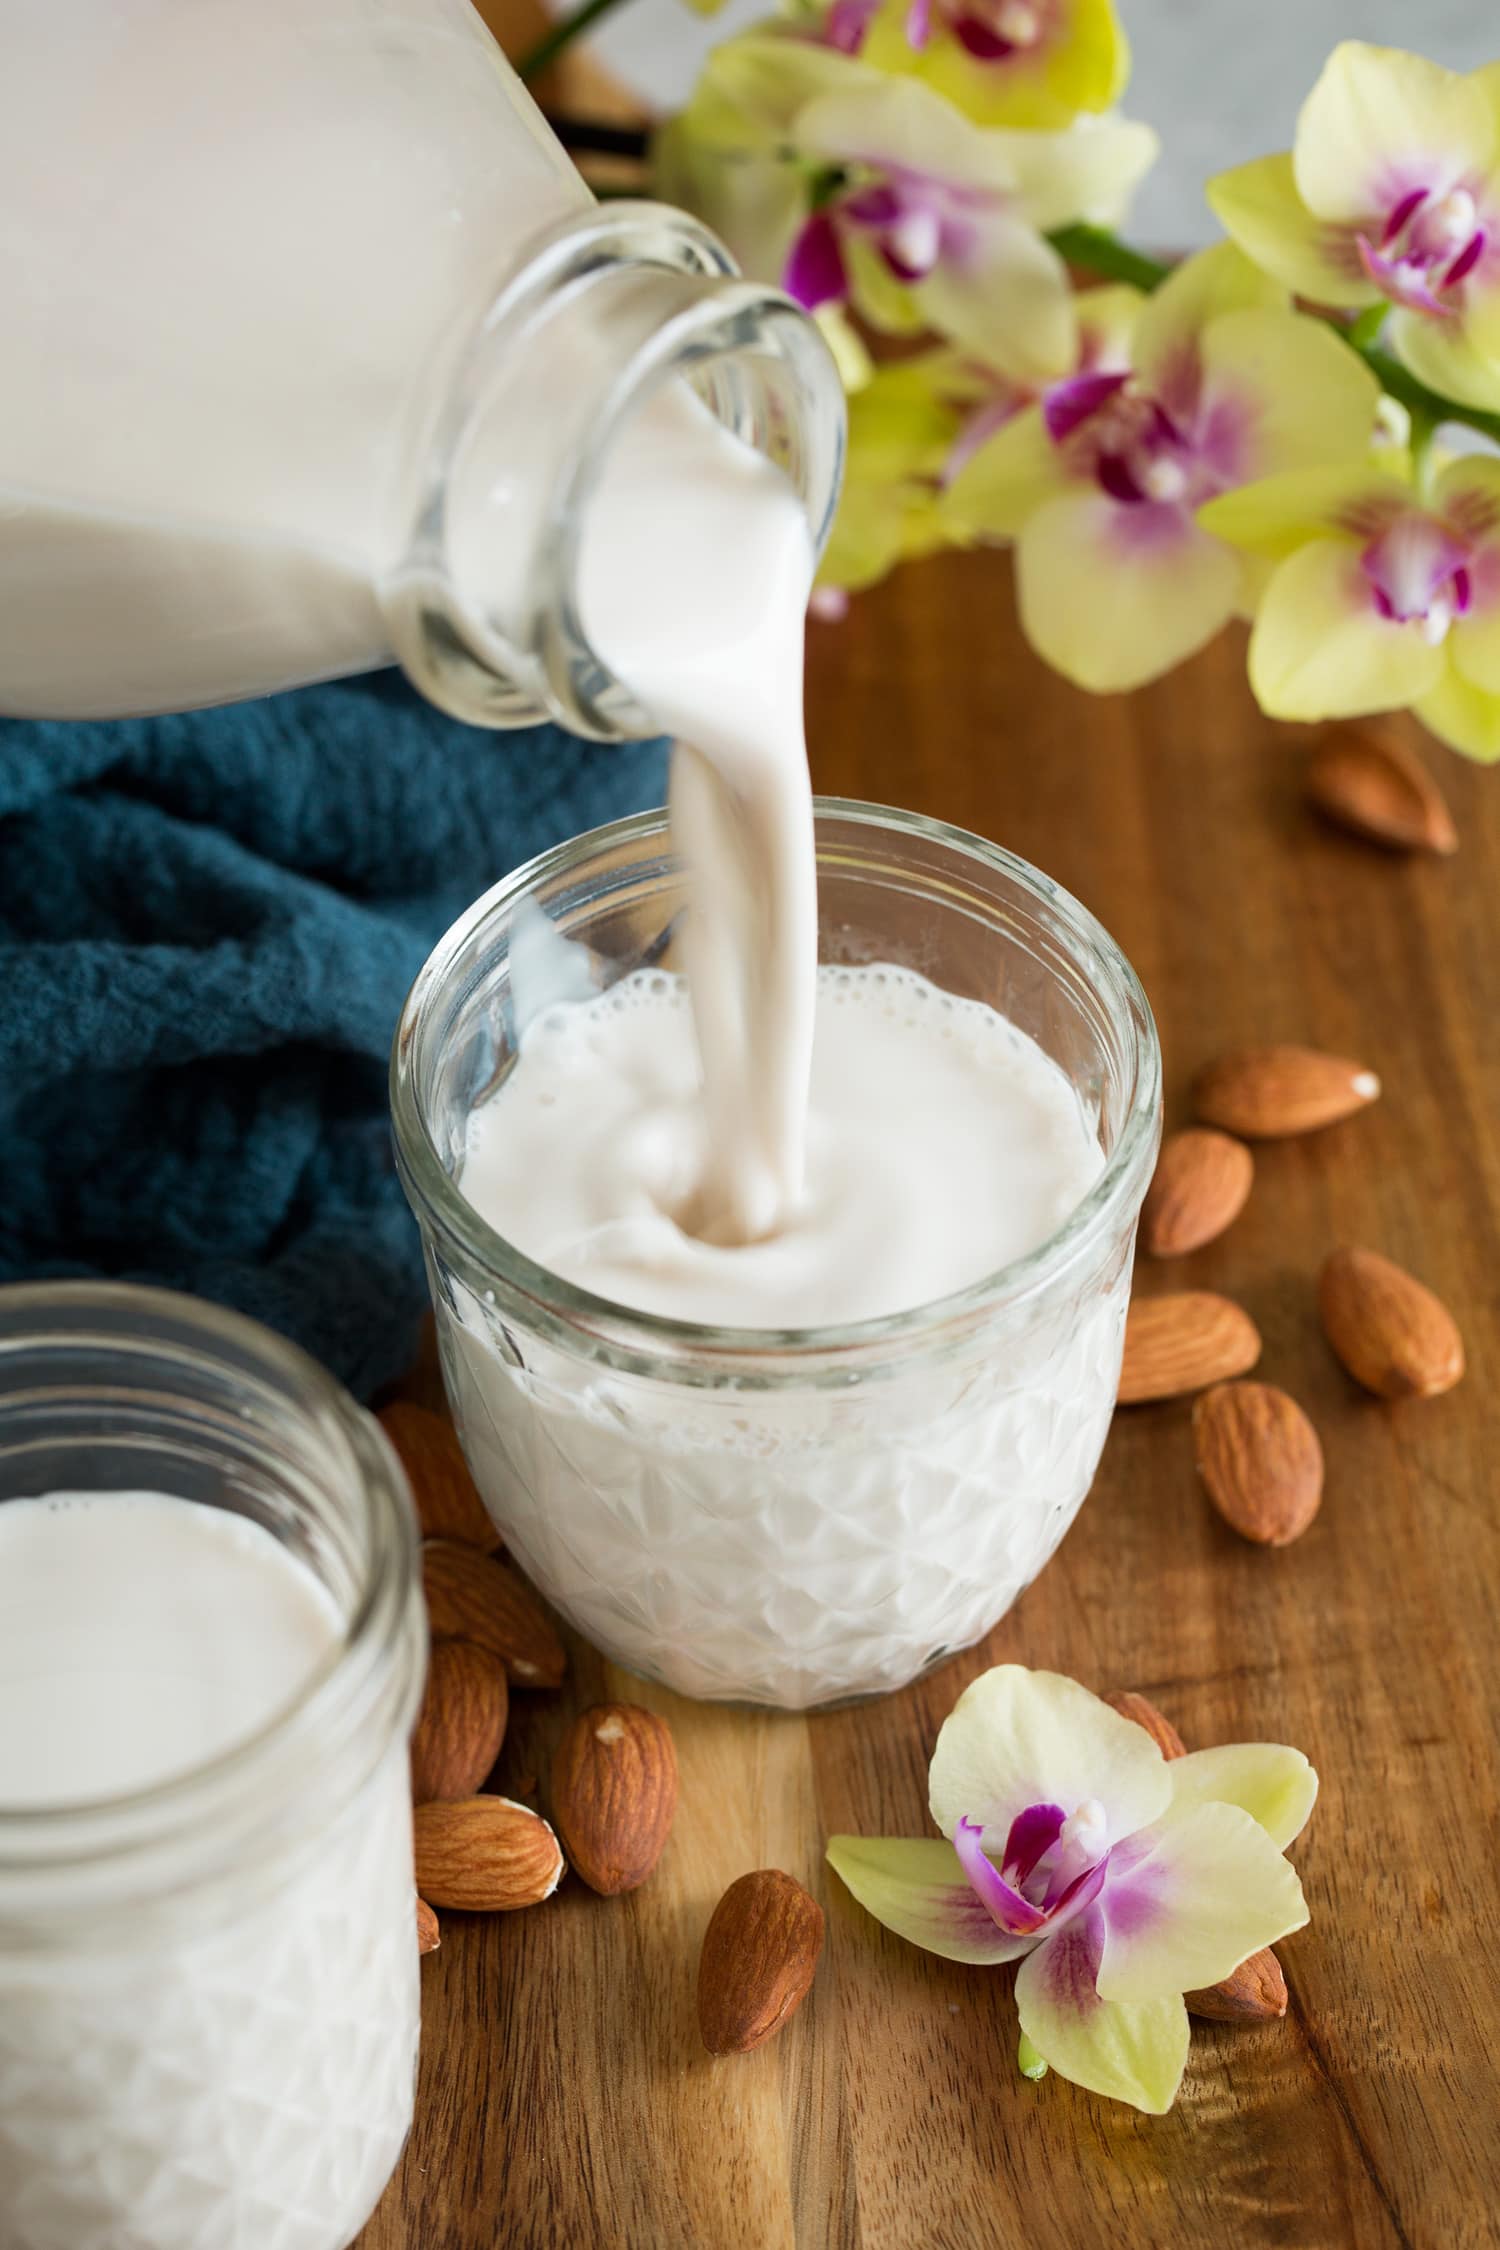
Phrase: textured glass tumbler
(787,1517)
(208,1988)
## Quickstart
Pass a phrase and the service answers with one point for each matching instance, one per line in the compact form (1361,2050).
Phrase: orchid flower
(1208,383)
(1117,1880)
(1390,196)
(1033,63)
(849,186)
(904,425)
(1380,594)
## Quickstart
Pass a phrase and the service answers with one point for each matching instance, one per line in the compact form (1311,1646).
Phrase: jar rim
(623,1337)
(333,1702)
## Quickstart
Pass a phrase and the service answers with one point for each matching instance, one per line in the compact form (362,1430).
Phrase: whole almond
(1390,1331)
(461,1724)
(471,1597)
(1260,1459)
(1202,1183)
(447,1498)
(1255,1992)
(1182,1343)
(1365,779)
(1269,1093)
(760,1953)
(484,1855)
(614,1791)
(1145,1714)
(429,1937)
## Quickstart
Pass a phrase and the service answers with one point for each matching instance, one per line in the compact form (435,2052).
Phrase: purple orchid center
(914,220)
(989,30)
(1428,246)
(1117,433)
(1050,1860)
(1419,571)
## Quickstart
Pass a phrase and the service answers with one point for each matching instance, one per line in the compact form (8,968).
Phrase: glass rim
(620,1335)
(157,1812)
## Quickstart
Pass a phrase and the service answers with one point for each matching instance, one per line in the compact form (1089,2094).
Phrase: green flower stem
(562,34)
(1098,251)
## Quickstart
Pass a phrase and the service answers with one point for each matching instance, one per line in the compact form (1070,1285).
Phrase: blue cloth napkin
(208,923)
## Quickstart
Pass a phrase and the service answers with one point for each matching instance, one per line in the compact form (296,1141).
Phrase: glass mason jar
(787,1517)
(208,1989)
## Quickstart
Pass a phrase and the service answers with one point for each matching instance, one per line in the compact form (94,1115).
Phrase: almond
(484,1855)
(446,1496)
(760,1952)
(614,1791)
(429,1937)
(471,1597)
(1268,1093)
(1202,1183)
(1392,1334)
(1182,1343)
(1260,1459)
(461,1724)
(1255,1992)
(1365,779)
(1145,1714)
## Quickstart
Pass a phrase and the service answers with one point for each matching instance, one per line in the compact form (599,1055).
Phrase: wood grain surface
(566,2103)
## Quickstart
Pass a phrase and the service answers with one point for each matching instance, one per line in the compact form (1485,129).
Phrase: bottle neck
(483,606)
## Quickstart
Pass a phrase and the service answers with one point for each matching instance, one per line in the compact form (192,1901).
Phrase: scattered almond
(1145,1714)
(1184,1342)
(461,1724)
(485,1855)
(447,1498)
(1391,1332)
(1255,1992)
(760,1952)
(1268,1093)
(471,1597)
(429,1937)
(1202,1183)
(1365,779)
(614,1791)
(1260,1459)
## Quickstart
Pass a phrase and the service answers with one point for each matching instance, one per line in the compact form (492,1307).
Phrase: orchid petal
(1089,172)
(899,122)
(1129,2051)
(1168,337)
(1007,300)
(881,300)
(1379,123)
(1017,1738)
(769,77)
(917,1887)
(1279,392)
(1463,716)
(1320,648)
(1107,322)
(753,203)
(1081,62)
(1275,515)
(1007,1909)
(1258,206)
(815,274)
(1274,1785)
(1446,355)
(1005,481)
(1189,1899)
(1114,595)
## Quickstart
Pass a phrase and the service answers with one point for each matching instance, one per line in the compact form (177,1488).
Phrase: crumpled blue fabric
(208,923)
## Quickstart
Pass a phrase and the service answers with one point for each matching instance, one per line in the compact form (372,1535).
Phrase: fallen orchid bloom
(1117,1880)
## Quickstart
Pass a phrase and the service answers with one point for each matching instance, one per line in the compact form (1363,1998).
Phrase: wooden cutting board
(565,2101)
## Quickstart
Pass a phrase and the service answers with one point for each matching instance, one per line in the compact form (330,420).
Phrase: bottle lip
(223,1815)
(637,1342)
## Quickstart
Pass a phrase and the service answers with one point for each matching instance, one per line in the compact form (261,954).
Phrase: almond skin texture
(1260,1460)
(760,1952)
(1182,1343)
(429,1937)
(1392,1334)
(1270,1093)
(447,1498)
(1254,1993)
(471,1597)
(1366,780)
(614,1791)
(1202,1184)
(485,1855)
(461,1724)
(1145,1714)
